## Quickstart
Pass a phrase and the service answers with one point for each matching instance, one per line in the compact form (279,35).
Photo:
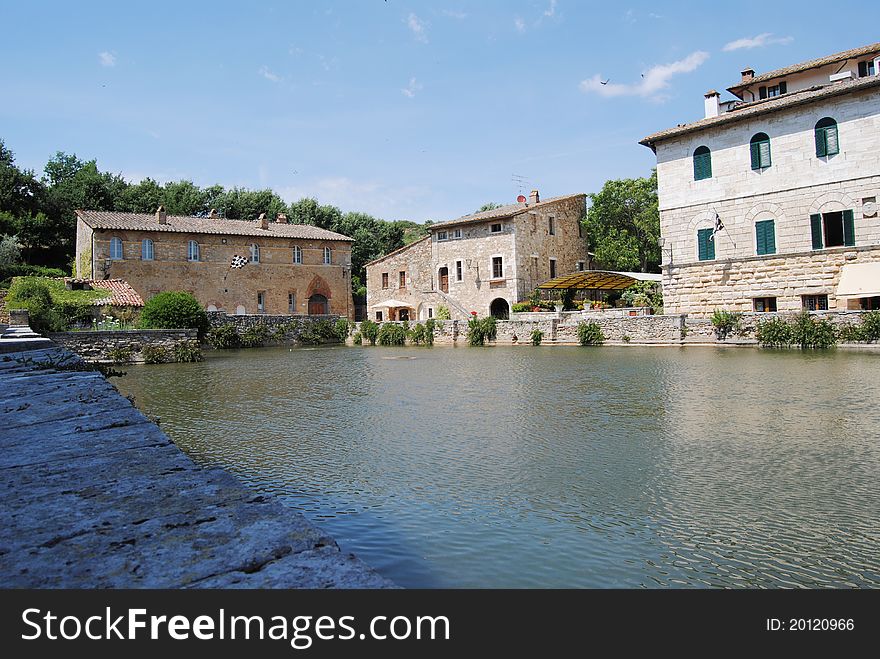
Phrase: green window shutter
(702,166)
(765,234)
(756,155)
(706,247)
(821,148)
(849,229)
(764,149)
(831,143)
(760,238)
(816,228)
(711,243)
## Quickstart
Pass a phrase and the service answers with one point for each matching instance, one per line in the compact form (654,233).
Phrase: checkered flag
(238,262)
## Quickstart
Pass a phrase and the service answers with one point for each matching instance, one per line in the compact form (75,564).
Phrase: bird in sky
(604,82)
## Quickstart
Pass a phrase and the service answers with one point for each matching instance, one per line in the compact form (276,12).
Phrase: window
(261,301)
(580,266)
(815,302)
(146,249)
(442,235)
(551,226)
(826,137)
(384,280)
(773,90)
(765,304)
(291,303)
(496,228)
(297,254)
(705,245)
(255,253)
(702,163)
(116,249)
(456,233)
(459,274)
(379,315)
(497,267)
(866,68)
(430,312)
(328,256)
(192,251)
(402,279)
(552,268)
(765,237)
(760,147)
(833,229)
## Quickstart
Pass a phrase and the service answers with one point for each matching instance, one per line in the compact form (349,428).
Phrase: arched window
(192,253)
(297,254)
(255,253)
(328,255)
(116,249)
(702,163)
(147,249)
(826,137)
(760,146)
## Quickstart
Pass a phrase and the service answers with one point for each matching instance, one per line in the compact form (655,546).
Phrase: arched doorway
(444,279)
(318,305)
(499,309)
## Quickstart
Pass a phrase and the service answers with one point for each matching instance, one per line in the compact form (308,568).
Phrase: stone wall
(284,329)
(108,346)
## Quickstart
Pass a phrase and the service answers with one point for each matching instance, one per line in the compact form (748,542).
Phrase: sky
(404,110)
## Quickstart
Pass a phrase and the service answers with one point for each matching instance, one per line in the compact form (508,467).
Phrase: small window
(146,249)
(192,251)
(459,271)
(815,302)
(496,228)
(833,229)
(866,68)
(402,279)
(773,90)
(442,235)
(384,280)
(291,303)
(765,304)
(760,148)
(430,312)
(261,301)
(552,268)
(705,245)
(580,266)
(116,249)
(765,237)
(497,267)
(826,138)
(328,256)
(702,163)
(255,253)
(551,226)
(379,315)
(456,233)
(297,254)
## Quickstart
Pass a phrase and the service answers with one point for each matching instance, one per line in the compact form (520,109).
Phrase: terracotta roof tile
(121,292)
(501,212)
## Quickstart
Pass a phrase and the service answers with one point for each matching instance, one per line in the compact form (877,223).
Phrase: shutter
(756,155)
(765,153)
(770,236)
(702,245)
(821,148)
(702,166)
(849,229)
(863,69)
(762,92)
(760,239)
(783,88)
(816,228)
(710,255)
(831,144)
(707,165)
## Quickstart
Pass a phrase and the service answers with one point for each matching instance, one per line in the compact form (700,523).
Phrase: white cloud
(550,12)
(519,24)
(764,39)
(417,27)
(268,75)
(653,81)
(453,13)
(369,196)
(412,88)
(107,59)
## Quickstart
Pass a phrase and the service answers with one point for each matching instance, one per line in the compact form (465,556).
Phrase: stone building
(291,268)
(770,201)
(482,262)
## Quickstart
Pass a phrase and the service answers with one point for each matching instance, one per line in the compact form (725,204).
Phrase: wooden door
(444,280)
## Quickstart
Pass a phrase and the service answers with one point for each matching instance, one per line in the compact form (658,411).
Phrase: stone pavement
(94,495)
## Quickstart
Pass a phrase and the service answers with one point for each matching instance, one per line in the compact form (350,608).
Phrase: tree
(489,206)
(623,224)
(308,211)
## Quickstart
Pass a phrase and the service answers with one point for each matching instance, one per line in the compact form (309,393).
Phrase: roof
(805,66)
(501,212)
(217,226)
(605,280)
(777,103)
(121,294)
(397,251)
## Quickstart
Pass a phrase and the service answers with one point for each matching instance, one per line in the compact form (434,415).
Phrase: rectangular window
(835,229)
(497,267)
(456,233)
(442,235)
(765,236)
(705,245)
(261,301)
(402,279)
(291,303)
(815,302)
(147,250)
(328,256)
(297,254)
(552,268)
(496,228)
(580,266)
(551,226)
(866,68)
(384,280)
(255,253)
(765,304)
(193,251)
(430,312)
(458,271)
(379,315)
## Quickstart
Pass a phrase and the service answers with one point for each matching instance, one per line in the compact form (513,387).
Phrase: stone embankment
(95,495)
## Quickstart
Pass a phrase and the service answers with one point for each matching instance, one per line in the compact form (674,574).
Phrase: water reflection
(553,466)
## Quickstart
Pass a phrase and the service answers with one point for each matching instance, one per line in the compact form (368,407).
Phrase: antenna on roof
(521,182)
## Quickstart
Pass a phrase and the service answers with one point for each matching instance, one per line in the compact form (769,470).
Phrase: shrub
(849,333)
(417,334)
(871,326)
(11,270)
(643,294)
(342,329)
(774,333)
(590,334)
(370,331)
(567,298)
(357,338)
(187,351)
(34,294)
(120,355)
(481,330)
(429,331)
(255,335)
(155,354)
(809,332)
(725,323)
(223,337)
(537,336)
(443,313)
(521,307)
(174,310)
(626,338)
(391,334)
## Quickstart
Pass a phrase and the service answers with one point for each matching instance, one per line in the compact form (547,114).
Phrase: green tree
(143,197)
(623,224)
(309,211)
(489,206)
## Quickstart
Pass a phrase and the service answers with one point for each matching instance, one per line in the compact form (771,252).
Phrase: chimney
(533,197)
(713,106)
(263,220)
(281,219)
(161,215)
(213,213)
(747,75)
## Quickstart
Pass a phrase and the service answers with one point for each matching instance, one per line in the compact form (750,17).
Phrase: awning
(605,280)
(392,304)
(859,280)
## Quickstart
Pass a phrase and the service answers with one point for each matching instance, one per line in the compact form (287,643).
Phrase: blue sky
(406,110)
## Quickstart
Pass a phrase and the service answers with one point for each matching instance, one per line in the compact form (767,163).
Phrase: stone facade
(107,346)
(276,282)
(485,262)
(797,186)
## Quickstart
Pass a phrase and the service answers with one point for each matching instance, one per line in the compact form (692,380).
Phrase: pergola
(599,280)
